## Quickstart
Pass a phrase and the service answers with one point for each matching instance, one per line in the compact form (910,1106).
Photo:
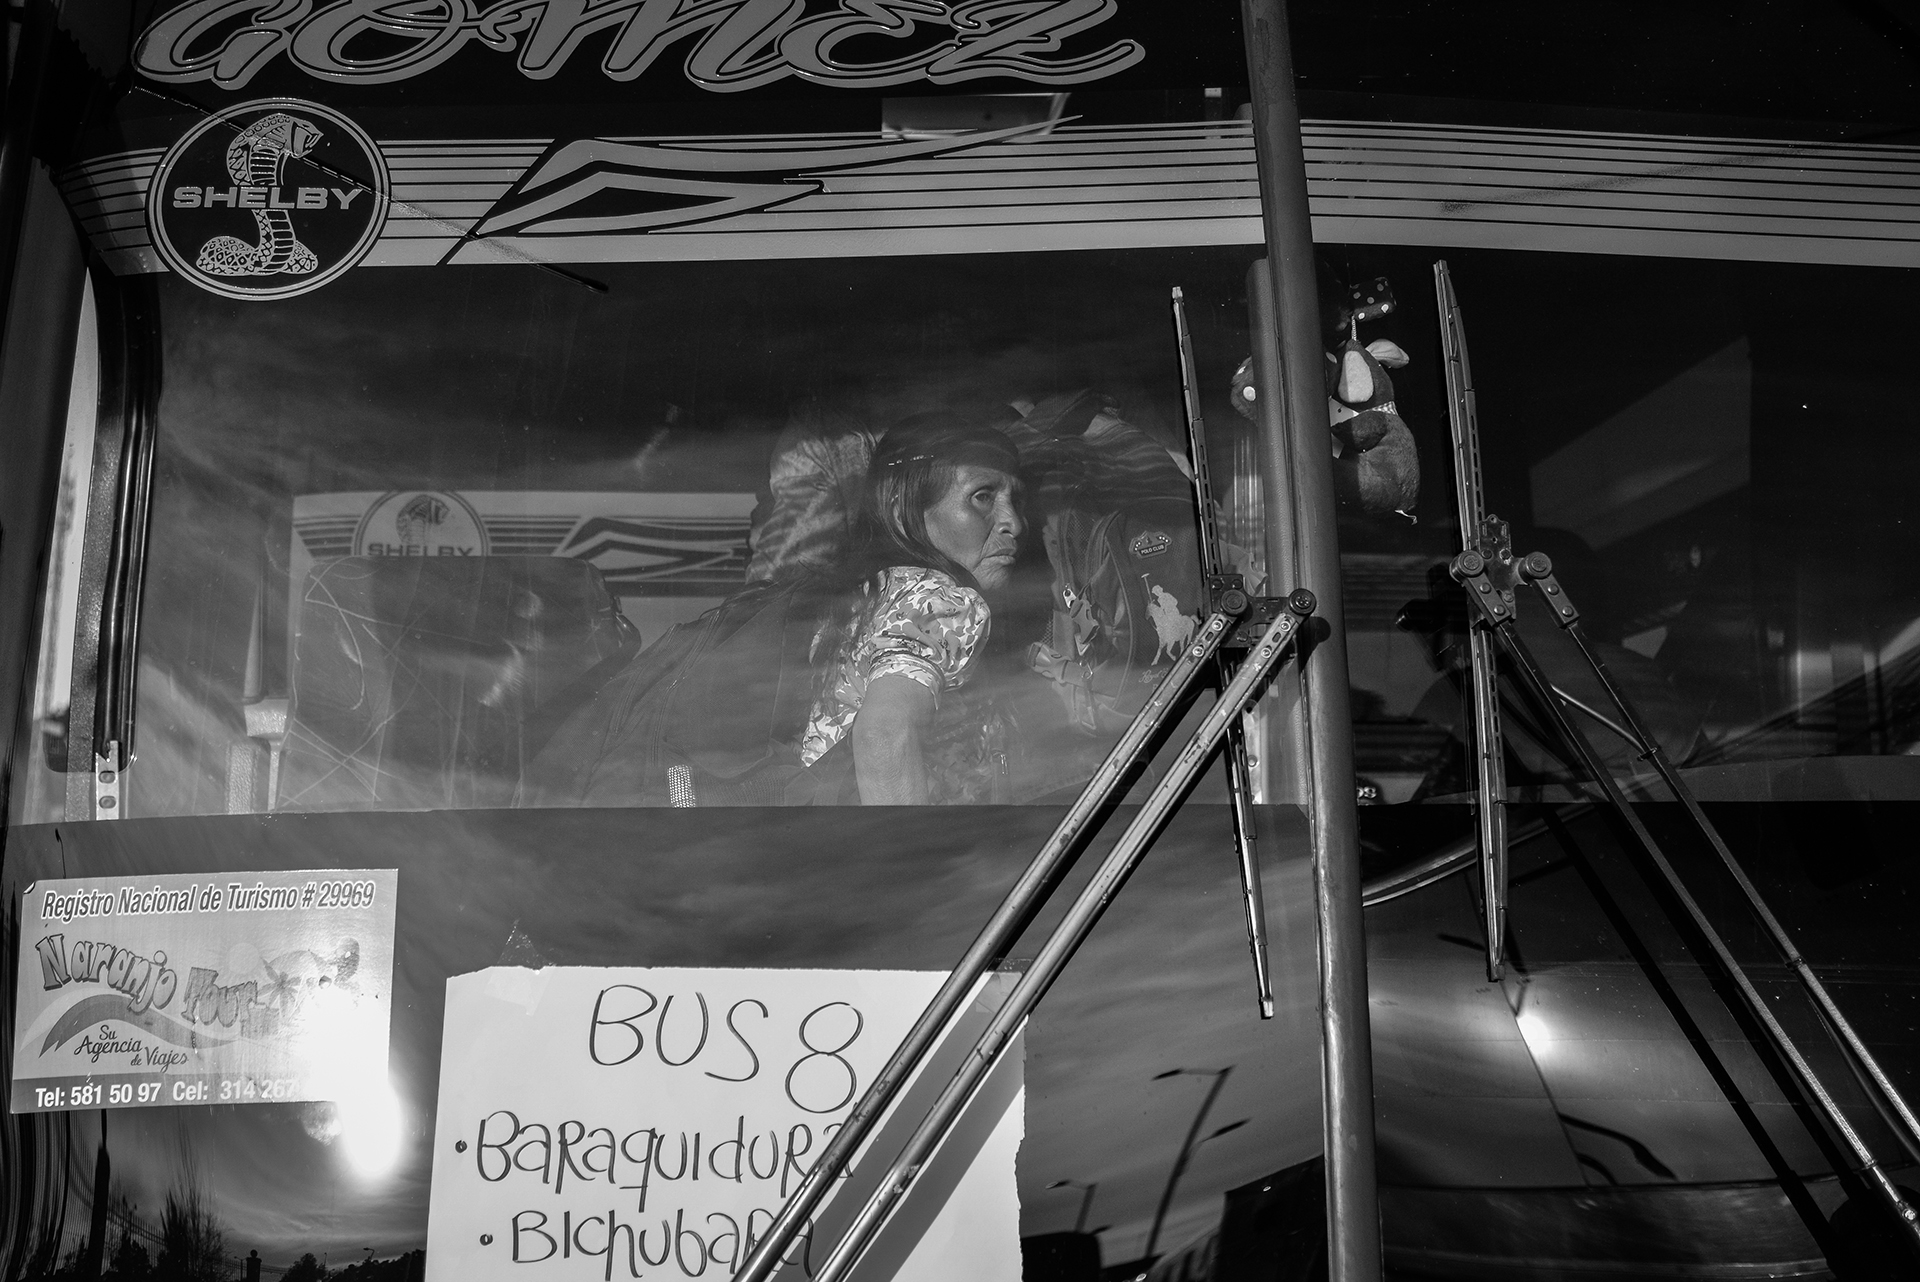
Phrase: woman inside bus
(828,684)
(940,526)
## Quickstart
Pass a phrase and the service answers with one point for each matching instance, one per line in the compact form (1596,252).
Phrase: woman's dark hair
(912,468)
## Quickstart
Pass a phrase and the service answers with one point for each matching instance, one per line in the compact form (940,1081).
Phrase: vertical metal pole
(1353,1208)
(1281,774)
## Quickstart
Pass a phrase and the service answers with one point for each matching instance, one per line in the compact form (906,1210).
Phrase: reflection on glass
(1675,435)
(39,784)
(728,534)
(420,537)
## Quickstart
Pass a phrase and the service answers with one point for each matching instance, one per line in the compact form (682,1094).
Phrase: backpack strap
(537,729)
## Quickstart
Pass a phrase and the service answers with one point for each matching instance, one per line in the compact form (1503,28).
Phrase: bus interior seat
(417,682)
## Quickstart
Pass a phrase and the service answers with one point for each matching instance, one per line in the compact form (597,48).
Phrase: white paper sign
(624,1123)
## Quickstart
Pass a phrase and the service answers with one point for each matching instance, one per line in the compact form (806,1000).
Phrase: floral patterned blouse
(925,627)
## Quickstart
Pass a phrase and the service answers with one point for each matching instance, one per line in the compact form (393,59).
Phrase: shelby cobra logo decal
(268,199)
(411,523)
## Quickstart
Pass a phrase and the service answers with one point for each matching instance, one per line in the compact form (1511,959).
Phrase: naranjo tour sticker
(268,199)
(228,988)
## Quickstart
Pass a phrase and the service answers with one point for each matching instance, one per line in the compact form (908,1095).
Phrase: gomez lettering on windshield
(737,44)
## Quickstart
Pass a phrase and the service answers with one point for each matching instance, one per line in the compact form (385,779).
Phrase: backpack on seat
(1125,554)
(1127,591)
(710,714)
(420,683)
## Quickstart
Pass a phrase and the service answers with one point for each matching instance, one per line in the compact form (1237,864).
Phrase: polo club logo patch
(1150,543)
(268,199)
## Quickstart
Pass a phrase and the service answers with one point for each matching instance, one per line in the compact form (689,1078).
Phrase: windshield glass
(1684,440)
(438,538)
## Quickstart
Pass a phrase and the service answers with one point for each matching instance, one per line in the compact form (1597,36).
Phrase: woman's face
(976,524)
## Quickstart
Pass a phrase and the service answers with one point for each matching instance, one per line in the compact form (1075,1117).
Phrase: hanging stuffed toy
(1376,465)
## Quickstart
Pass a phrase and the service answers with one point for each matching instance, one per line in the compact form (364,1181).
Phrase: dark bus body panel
(1684,243)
